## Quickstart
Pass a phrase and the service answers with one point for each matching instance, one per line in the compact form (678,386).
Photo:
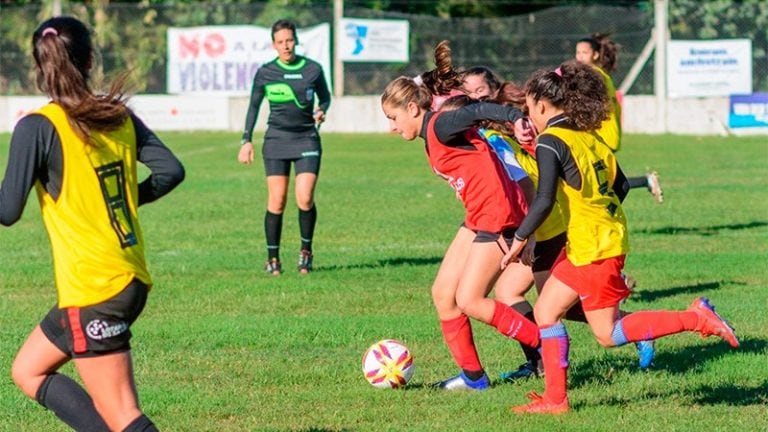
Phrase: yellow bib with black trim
(555,223)
(93,226)
(610,129)
(597,226)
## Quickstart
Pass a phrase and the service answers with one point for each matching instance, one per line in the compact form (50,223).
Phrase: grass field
(223,347)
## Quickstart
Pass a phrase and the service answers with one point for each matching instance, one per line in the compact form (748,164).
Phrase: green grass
(223,347)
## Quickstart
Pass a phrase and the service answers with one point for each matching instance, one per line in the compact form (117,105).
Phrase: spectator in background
(290,83)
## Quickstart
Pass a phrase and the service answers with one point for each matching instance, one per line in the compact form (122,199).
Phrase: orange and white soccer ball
(388,364)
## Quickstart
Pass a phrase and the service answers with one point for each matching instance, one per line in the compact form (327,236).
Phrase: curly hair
(577,89)
(607,49)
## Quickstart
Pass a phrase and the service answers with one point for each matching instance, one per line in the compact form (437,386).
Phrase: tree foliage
(131,34)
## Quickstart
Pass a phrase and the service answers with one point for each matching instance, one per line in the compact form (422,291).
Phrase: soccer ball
(388,364)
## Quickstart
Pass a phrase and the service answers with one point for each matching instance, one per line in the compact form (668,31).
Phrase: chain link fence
(132,36)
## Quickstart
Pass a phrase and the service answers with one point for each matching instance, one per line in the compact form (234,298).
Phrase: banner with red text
(223,59)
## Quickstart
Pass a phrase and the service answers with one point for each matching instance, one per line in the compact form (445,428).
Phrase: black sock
(307,220)
(576,313)
(60,394)
(273,227)
(473,375)
(531,354)
(142,423)
(638,182)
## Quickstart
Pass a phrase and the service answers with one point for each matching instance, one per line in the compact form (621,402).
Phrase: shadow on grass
(680,361)
(650,296)
(389,262)
(704,231)
(724,394)
(732,394)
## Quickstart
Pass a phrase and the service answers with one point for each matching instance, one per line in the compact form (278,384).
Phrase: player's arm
(620,184)
(257,95)
(453,124)
(26,158)
(549,153)
(166,170)
(323,97)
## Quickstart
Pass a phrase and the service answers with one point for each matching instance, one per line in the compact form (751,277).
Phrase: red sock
(647,325)
(511,323)
(554,354)
(457,333)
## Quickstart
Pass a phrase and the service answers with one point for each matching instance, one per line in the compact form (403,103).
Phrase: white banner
(223,59)
(698,68)
(170,113)
(365,40)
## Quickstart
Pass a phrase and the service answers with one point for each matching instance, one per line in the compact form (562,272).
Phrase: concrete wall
(362,114)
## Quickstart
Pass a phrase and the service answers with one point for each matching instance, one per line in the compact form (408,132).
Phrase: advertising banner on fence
(701,68)
(748,111)
(223,59)
(366,40)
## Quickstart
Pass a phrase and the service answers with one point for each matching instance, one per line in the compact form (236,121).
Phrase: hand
(319,116)
(513,255)
(246,153)
(528,257)
(525,132)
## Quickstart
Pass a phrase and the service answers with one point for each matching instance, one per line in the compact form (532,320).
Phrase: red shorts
(599,283)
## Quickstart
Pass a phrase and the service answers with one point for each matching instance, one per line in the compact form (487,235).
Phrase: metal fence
(132,36)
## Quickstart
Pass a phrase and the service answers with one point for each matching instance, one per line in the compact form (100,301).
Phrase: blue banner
(748,111)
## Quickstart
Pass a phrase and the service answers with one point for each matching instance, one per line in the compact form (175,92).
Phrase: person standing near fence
(290,83)
(80,153)
(568,105)
(600,52)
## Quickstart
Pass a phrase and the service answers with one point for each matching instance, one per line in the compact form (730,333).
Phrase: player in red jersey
(567,105)
(494,206)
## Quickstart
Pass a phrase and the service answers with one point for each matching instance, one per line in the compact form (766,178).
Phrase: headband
(50,30)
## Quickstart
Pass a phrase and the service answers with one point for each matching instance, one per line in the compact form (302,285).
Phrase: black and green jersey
(290,90)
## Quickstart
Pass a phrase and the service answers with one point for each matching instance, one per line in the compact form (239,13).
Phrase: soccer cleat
(526,370)
(710,323)
(654,187)
(305,261)
(462,382)
(645,352)
(540,405)
(274,267)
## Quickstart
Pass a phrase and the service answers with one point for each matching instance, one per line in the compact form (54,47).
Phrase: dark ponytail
(63,53)
(607,49)
(575,88)
(443,78)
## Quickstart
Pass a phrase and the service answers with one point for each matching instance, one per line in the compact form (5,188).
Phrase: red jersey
(492,201)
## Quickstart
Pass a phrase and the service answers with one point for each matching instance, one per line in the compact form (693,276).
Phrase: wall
(362,114)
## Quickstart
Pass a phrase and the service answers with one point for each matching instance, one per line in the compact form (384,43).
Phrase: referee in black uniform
(290,83)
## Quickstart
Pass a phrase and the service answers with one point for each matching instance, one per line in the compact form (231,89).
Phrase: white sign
(224,59)
(19,106)
(169,113)
(365,40)
(709,68)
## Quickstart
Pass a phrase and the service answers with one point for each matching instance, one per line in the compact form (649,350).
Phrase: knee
(468,305)
(604,339)
(544,316)
(24,380)
(304,203)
